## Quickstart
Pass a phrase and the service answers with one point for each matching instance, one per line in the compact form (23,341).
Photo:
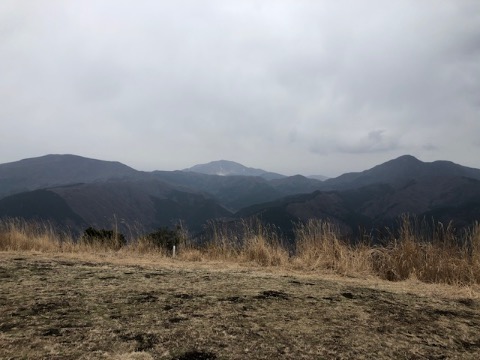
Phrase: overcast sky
(310,87)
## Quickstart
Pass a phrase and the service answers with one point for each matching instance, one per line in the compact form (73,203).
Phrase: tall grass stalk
(435,255)
(262,245)
(318,247)
(20,235)
(223,242)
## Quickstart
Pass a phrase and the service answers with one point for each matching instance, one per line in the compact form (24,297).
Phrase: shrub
(104,238)
(164,238)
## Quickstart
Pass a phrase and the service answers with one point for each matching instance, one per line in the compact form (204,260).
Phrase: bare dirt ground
(54,307)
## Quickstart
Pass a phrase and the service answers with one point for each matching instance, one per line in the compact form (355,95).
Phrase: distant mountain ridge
(231,168)
(399,170)
(75,192)
(318,177)
(53,170)
(375,198)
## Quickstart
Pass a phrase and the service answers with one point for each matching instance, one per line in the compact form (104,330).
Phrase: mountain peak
(54,159)
(220,167)
(407,157)
(53,169)
(231,168)
(401,165)
(401,170)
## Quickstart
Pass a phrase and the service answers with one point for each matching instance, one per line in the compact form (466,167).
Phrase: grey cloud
(374,141)
(98,83)
(274,84)
(430,147)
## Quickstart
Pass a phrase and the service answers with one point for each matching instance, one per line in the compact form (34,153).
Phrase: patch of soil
(144,341)
(272,294)
(196,355)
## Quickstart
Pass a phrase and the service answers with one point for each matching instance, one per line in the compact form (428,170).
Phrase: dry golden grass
(318,248)
(438,256)
(254,243)
(18,235)
(97,306)
(429,253)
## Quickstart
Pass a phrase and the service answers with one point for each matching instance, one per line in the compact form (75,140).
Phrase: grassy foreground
(115,306)
(432,253)
(240,296)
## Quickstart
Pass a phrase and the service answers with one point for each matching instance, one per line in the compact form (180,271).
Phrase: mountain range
(76,192)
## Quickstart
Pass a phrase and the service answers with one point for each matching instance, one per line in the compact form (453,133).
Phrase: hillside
(131,206)
(399,171)
(54,170)
(296,184)
(41,205)
(233,192)
(376,198)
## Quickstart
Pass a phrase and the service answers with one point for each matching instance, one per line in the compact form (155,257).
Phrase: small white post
(173,252)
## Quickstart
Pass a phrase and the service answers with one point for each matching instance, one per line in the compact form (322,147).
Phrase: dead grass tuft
(191,254)
(437,256)
(19,235)
(319,248)
(264,252)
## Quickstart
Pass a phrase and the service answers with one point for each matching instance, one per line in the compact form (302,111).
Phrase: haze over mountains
(76,192)
(231,168)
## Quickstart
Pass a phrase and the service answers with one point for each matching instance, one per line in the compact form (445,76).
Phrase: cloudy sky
(299,86)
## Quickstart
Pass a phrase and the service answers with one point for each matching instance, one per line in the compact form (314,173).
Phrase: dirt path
(53,308)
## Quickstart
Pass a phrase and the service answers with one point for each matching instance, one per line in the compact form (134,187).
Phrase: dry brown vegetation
(240,296)
(430,253)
